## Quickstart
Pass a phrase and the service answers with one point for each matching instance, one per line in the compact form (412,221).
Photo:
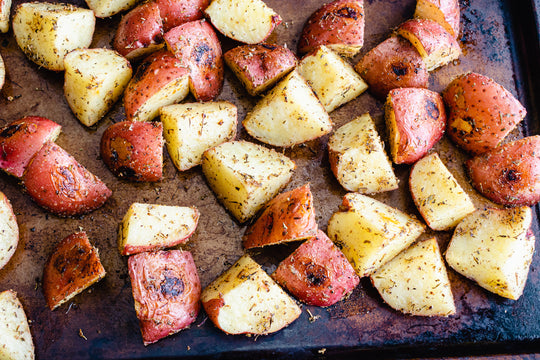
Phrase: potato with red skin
(339,25)
(58,183)
(133,150)
(22,139)
(317,273)
(197,47)
(260,66)
(177,12)
(445,12)
(166,289)
(394,63)
(415,120)
(290,216)
(480,112)
(509,174)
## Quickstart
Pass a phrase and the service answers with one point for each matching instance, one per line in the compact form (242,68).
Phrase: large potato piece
(509,174)
(245,176)
(107,8)
(445,12)
(370,233)
(9,230)
(480,112)
(494,247)
(177,12)
(15,336)
(46,32)
(339,25)
(415,282)
(288,115)
(191,129)
(245,300)
(93,81)
(247,21)
(5,10)
(441,201)
(332,79)
(358,159)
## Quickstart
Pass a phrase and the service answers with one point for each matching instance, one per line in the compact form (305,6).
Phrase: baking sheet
(104,314)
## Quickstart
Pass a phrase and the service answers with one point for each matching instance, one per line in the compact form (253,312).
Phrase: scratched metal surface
(361,324)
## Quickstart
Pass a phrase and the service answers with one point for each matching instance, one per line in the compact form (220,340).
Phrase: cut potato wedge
(445,12)
(177,12)
(5,11)
(9,229)
(494,247)
(15,337)
(107,8)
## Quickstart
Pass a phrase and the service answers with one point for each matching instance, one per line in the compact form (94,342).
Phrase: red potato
(5,10)
(317,272)
(445,12)
(177,12)
(260,66)
(339,25)
(71,268)
(22,139)
(166,290)
(480,112)
(509,174)
(415,120)
(9,230)
(287,217)
(58,183)
(394,63)
(133,150)
(197,47)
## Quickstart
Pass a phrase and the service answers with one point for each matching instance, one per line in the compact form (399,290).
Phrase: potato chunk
(15,336)
(9,230)
(2,72)
(107,8)
(445,12)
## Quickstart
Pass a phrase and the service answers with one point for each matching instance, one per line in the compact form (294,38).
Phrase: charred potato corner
(209,177)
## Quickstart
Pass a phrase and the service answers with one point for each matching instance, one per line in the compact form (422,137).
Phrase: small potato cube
(415,282)
(9,230)
(245,176)
(46,32)
(370,233)
(245,300)
(15,336)
(107,8)
(5,10)
(191,129)
(445,12)
(358,160)
(332,79)
(494,247)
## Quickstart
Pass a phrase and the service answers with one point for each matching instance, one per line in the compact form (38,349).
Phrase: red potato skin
(317,272)
(394,63)
(197,47)
(166,290)
(337,24)
(133,150)
(290,216)
(450,9)
(509,174)
(178,12)
(480,112)
(420,122)
(430,33)
(260,66)
(22,139)
(58,183)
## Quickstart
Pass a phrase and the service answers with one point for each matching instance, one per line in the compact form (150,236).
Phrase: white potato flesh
(2,72)
(15,336)
(191,129)
(106,8)
(494,247)
(5,10)
(9,231)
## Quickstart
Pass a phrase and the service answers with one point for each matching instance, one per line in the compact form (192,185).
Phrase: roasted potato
(260,66)
(394,63)
(358,159)
(22,139)
(133,150)
(317,273)
(2,72)
(339,25)
(509,174)
(332,79)
(290,216)
(494,247)
(107,8)
(445,12)
(46,32)
(415,122)
(166,290)
(15,337)
(160,80)
(9,230)
(290,114)
(191,129)
(5,10)
(197,47)
(480,112)
(370,233)
(177,12)
(245,176)
(247,21)
(149,227)
(415,282)
(94,79)
(245,300)
(70,269)
(58,183)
